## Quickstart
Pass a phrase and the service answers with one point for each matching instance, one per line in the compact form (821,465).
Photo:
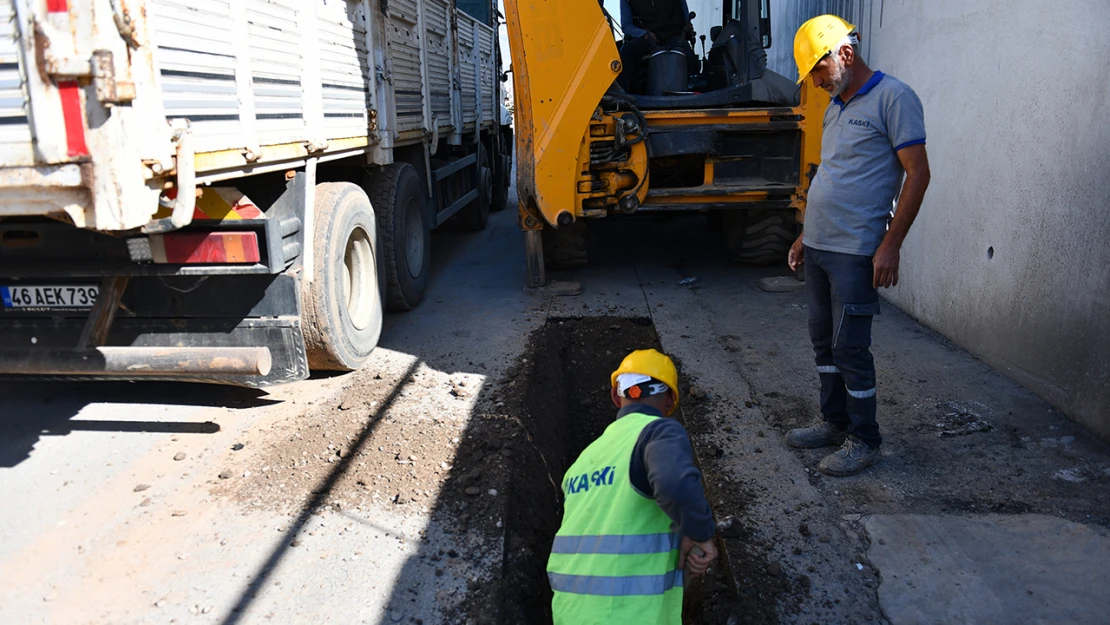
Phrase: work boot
(820,434)
(851,458)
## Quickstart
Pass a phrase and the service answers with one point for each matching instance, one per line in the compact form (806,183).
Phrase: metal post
(95,332)
(533,252)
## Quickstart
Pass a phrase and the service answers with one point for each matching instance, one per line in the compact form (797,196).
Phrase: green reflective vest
(615,558)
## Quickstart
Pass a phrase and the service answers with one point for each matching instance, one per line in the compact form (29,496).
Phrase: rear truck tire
(342,305)
(404,233)
(566,247)
(760,236)
(476,214)
(504,173)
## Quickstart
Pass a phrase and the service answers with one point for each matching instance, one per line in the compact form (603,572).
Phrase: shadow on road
(36,409)
(320,495)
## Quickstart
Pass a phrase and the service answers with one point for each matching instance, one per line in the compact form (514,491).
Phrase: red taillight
(205,248)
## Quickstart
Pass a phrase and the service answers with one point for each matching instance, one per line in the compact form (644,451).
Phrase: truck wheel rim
(359,277)
(414,238)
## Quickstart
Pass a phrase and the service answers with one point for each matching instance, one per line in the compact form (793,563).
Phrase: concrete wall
(1010,256)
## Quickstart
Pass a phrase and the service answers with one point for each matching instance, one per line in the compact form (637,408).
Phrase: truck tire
(760,236)
(404,233)
(342,306)
(566,247)
(476,214)
(504,173)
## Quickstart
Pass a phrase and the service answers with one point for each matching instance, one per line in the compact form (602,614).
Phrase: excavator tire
(761,236)
(565,248)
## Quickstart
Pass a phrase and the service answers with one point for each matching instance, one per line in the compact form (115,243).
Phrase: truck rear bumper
(190,350)
(137,361)
(160,319)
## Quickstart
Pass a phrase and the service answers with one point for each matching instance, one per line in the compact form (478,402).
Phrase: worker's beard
(839,75)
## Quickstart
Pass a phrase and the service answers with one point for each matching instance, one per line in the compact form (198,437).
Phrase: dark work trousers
(841,301)
(633,51)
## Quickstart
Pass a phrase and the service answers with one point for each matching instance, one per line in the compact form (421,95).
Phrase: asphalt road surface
(375,497)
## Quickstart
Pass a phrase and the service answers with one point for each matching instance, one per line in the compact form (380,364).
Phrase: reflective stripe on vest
(633,544)
(615,586)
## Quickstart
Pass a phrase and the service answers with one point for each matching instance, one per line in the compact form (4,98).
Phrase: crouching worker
(635,519)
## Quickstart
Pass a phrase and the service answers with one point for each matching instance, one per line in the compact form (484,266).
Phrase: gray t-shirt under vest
(851,198)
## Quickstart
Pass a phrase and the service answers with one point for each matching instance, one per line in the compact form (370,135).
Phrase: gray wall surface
(1010,256)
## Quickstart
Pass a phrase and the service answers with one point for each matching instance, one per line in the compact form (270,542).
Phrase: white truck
(234,190)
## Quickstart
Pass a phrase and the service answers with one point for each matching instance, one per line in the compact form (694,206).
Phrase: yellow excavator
(717,133)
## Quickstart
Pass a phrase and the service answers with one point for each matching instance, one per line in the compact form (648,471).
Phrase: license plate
(55,297)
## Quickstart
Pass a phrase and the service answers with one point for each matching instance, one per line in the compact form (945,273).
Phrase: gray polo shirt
(851,198)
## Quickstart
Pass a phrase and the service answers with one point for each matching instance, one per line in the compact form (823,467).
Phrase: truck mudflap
(238,330)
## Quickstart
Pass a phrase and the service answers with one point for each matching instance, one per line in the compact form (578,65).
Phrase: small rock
(493,492)
(206,609)
(141,487)
(718,453)
(237,447)
(179,456)
(296,542)
(161,603)
(758,450)
(451,553)
(774,569)
(803,529)
(851,518)
(145,503)
(178,513)
(225,475)
(1049,443)
(52,595)
(344,407)
(1067,440)
(696,392)
(396,616)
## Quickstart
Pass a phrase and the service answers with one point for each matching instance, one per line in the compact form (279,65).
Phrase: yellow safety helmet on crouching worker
(651,363)
(815,39)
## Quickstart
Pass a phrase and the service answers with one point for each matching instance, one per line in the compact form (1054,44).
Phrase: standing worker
(635,516)
(874,132)
(649,25)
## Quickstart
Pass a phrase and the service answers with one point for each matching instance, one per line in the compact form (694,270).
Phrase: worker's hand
(651,38)
(886,262)
(796,256)
(696,557)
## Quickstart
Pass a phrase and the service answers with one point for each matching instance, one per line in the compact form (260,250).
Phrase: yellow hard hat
(652,363)
(815,39)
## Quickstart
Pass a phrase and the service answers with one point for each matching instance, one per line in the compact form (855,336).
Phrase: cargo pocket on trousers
(855,325)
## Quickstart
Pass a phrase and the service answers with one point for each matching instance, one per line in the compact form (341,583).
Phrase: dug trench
(551,405)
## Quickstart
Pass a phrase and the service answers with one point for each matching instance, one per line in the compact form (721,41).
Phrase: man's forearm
(909,204)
